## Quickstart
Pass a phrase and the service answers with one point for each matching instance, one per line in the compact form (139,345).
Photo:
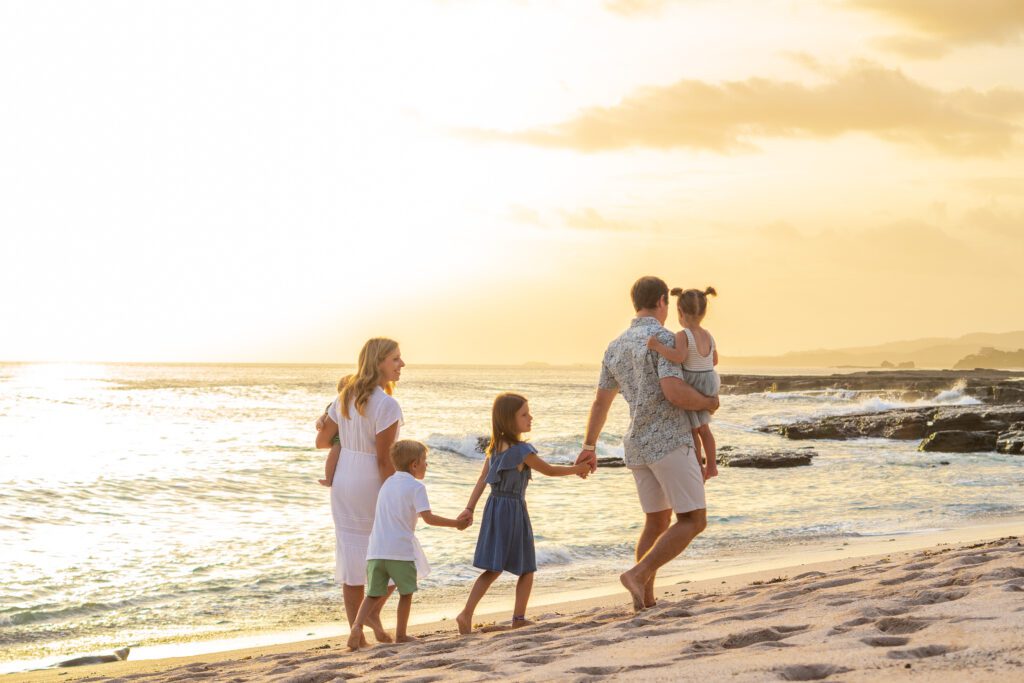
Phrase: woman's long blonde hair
(367,376)
(503,421)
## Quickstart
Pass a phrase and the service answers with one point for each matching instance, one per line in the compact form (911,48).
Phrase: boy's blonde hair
(406,452)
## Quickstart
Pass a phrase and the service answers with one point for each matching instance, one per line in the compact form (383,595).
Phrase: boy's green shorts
(378,572)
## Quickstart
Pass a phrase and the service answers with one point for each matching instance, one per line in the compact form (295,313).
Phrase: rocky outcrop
(118,656)
(1011,441)
(766,458)
(953,441)
(990,386)
(957,425)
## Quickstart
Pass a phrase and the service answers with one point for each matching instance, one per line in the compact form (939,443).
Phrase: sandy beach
(937,607)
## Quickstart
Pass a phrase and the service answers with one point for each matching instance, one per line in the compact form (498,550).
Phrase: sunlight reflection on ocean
(155,503)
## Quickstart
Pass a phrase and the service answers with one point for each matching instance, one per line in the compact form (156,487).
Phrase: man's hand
(588,458)
(713,404)
(321,421)
(710,471)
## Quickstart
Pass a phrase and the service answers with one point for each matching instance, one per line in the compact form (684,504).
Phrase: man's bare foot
(382,636)
(356,640)
(635,588)
(406,639)
(649,599)
(519,623)
(465,622)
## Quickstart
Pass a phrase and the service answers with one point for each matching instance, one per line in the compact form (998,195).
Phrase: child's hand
(652,342)
(582,470)
(324,482)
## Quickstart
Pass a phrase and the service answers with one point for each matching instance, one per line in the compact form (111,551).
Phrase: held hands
(588,458)
(465,519)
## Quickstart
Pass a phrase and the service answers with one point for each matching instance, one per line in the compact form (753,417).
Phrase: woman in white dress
(366,418)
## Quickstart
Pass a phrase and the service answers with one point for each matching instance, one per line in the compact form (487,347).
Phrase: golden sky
(264,181)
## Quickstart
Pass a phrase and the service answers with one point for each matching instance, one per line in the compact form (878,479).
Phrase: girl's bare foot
(465,622)
(635,588)
(406,639)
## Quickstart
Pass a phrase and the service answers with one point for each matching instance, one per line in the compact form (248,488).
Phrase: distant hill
(992,359)
(930,352)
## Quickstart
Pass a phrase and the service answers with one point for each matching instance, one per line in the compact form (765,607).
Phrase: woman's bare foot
(356,640)
(382,636)
(519,623)
(465,622)
(406,639)
(635,588)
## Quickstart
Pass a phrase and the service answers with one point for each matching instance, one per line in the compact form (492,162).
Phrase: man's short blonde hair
(405,452)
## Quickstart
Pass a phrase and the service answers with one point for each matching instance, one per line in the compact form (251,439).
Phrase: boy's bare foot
(465,623)
(382,636)
(635,588)
(356,640)
(406,639)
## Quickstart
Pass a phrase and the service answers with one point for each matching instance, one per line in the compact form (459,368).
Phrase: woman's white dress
(357,481)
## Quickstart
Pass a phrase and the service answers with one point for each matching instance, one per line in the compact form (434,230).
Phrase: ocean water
(149,504)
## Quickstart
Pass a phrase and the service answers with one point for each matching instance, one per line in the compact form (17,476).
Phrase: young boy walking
(392,551)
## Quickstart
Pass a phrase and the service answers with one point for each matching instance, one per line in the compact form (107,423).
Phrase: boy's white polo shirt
(401,500)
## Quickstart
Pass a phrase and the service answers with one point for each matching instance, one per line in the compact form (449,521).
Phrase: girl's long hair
(367,376)
(503,421)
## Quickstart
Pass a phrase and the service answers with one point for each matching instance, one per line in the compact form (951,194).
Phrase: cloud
(584,218)
(589,219)
(727,116)
(940,25)
(634,7)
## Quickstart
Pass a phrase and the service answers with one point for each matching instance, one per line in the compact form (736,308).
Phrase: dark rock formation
(767,459)
(957,425)
(1012,441)
(118,656)
(990,386)
(954,441)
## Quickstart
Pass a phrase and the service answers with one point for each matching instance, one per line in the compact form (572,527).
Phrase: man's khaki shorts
(672,483)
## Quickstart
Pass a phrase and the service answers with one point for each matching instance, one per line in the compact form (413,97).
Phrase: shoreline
(710,577)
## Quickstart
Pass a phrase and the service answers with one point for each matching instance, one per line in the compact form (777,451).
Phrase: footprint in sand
(910,576)
(920,652)
(920,565)
(810,672)
(900,625)
(885,641)
(744,639)
(935,597)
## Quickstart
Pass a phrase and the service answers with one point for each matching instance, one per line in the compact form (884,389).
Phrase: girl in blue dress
(505,543)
